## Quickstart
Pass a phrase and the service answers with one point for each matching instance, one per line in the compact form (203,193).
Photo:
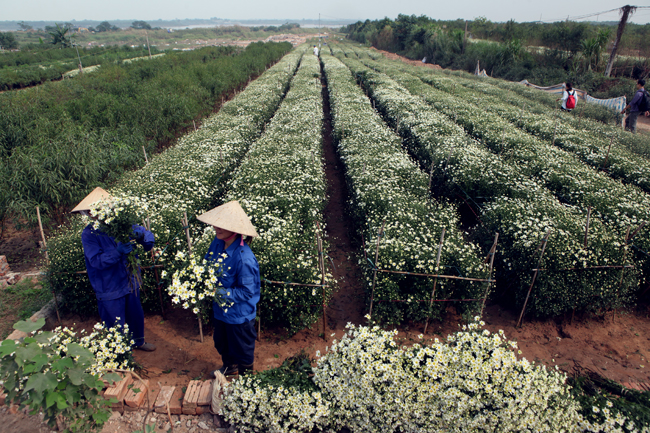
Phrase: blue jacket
(636,100)
(240,281)
(106,266)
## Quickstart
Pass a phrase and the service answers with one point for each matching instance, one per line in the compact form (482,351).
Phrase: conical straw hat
(231,217)
(96,195)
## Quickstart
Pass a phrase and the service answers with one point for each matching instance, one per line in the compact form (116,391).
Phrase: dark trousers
(235,343)
(129,310)
(630,121)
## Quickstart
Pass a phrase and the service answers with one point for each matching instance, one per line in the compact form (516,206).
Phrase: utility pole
(147,35)
(626,11)
(319,30)
(81,69)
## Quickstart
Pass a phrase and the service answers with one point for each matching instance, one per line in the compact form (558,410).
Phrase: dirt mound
(394,56)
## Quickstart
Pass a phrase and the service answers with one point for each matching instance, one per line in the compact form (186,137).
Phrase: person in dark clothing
(234,327)
(633,106)
(116,289)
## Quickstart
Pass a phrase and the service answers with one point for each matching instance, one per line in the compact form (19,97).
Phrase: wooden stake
(431,173)
(186,226)
(145,155)
(194,123)
(587,226)
(47,259)
(555,131)
(374,275)
(539,263)
(491,255)
(608,149)
(435,280)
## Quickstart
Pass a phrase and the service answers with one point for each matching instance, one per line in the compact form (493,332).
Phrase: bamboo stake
(155,272)
(555,131)
(431,174)
(435,280)
(194,123)
(620,283)
(145,155)
(374,275)
(491,255)
(608,149)
(47,259)
(521,316)
(186,226)
(636,231)
(587,226)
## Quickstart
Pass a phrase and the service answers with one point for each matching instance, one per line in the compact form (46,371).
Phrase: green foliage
(8,41)
(58,143)
(295,372)
(544,54)
(60,37)
(37,377)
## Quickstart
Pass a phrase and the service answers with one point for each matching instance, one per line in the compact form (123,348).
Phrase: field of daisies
(436,165)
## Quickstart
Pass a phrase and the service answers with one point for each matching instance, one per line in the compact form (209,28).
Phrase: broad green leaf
(27,353)
(75,350)
(40,361)
(72,395)
(41,382)
(111,378)
(62,364)
(43,338)
(76,376)
(7,347)
(27,326)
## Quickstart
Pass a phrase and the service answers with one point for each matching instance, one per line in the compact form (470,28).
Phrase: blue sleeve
(245,284)
(149,239)
(98,257)
(637,98)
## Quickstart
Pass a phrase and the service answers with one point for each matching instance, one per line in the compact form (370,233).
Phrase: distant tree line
(544,53)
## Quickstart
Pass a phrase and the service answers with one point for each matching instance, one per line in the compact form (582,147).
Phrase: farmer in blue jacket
(234,326)
(116,289)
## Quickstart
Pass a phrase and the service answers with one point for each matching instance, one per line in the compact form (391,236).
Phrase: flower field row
(186,178)
(281,186)
(626,159)
(387,188)
(366,382)
(515,204)
(620,206)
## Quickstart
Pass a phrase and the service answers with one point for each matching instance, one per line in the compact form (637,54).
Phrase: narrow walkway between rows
(347,303)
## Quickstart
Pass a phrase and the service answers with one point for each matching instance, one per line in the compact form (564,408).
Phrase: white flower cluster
(196,282)
(472,382)
(115,208)
(281,186)
(255,408)
(111,347)
(386,185)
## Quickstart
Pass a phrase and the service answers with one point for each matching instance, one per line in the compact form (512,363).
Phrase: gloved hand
(124,248)
(138,236)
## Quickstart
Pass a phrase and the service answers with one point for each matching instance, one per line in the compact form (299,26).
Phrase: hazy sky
(519,10)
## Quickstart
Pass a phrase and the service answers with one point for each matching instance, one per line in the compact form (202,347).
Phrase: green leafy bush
(38,376)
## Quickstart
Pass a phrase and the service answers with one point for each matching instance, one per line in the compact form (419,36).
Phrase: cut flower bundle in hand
(116,217)
(196,285)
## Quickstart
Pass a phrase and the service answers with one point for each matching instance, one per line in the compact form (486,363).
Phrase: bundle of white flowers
(472,382)
(252,407)
(197,284)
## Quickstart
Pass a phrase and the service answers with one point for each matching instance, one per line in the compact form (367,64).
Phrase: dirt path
(347,303)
